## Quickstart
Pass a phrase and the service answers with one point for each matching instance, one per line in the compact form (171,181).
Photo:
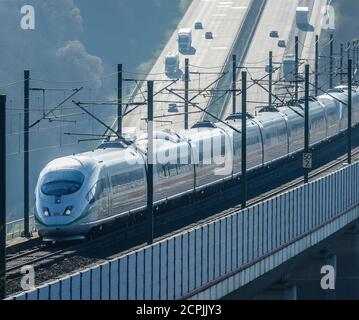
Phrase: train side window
(268,139)
(200,153)
(120,181)
(163,171)
(236,146)
(223,146)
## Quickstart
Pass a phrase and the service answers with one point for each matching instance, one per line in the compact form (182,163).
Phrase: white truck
(288,69)
(184,39)
(302,15)
(172,63)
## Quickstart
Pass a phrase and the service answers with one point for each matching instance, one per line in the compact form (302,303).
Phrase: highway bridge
(258,54)
(224,19)
(239,27)
(232,253)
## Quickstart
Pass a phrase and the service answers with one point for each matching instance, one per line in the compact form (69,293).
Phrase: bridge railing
(14,229)
(232,250)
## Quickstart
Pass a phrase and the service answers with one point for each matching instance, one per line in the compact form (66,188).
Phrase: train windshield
(62,183)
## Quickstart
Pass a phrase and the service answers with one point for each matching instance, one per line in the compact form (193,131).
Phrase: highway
(316,22)
(224,19)
(308,49)
(279,15)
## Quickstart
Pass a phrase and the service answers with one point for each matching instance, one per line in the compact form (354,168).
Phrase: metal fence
(187,263)
(14,229)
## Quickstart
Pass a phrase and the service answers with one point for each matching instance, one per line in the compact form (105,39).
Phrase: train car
(317,122)
(333,114)
(208,143)
(173,166)
(77,194)
(342,94)
(355,106)
(84,192)
(274,135)
(295,122)
(255,152)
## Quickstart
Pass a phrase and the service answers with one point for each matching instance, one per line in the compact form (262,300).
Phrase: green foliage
(184,4)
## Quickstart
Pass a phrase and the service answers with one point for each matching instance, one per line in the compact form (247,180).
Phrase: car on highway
(172,107)
(209,35)
(274,34)
(281,43)
(198,25)
(172,63)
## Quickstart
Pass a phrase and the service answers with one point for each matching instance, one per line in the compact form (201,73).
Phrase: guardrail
(212,260)
(14,229)
(217,104)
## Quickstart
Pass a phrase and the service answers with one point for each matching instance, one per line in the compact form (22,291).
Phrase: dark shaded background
(76,43)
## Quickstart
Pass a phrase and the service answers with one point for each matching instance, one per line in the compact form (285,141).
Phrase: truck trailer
(184,39)
(302,15)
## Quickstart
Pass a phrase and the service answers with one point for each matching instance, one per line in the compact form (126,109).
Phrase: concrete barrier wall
(232,251)
(218,103)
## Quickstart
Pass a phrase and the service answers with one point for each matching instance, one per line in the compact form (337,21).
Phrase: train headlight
(68,211)
(46,212)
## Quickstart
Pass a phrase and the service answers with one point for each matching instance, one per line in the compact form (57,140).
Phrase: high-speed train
(81,193)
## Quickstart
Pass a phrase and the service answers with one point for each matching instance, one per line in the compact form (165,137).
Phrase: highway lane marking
(220,15)
(240,8)
(219,48)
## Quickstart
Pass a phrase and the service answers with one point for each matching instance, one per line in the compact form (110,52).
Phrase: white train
(84,192)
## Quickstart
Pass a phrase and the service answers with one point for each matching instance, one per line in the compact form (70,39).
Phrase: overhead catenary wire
(202,94)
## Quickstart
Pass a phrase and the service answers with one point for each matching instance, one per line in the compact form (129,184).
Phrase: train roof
(202,129)
(107,153)
(81,163)
(269,116)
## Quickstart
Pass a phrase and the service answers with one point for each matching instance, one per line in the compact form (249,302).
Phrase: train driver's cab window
(62,183)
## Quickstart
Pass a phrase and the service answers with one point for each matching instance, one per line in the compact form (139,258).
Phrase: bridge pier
(316,276)
(342,254)
(331,260)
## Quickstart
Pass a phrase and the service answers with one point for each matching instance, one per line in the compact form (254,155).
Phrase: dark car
(198,25)
(274,34)
(209,35)
(172,107)
(281,43)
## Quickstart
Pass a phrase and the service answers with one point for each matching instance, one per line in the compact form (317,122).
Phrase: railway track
(315,174)
(30,257)
(43,255)
(337,164)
